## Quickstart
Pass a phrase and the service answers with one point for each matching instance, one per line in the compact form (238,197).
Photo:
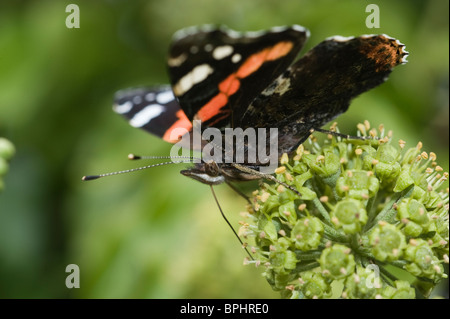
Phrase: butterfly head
(206,173)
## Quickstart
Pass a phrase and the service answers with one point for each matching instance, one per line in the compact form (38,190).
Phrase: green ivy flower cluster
(7,151)
(371,222)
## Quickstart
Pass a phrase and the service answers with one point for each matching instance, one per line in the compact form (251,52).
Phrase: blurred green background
(157,234)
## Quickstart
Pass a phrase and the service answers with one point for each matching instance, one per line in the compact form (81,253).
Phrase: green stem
(386,273)
(364,252)
(334,234)
(389,211)
(371,209)
(304,267)
(310,255)
(399,263)
(322,210)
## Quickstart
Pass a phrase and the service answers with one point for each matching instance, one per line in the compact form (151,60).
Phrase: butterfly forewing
(216,72)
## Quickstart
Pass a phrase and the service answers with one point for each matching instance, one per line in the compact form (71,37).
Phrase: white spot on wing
(208,47)
(340,38)
(201,72)
(165,97)
(389,37)
(150,97)
(123,108)
(177,61)
(197,75)
(299,28)
(255,34)
(284,86)
(366,36)
(193,49)
(222,52)
(232,33)
(137,99)
(146,115)
(236,58)
(278,29)
(280,86)
(193,30)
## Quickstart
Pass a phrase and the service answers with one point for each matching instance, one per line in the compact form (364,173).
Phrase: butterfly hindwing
(153,109)
(216,72)
(321,84)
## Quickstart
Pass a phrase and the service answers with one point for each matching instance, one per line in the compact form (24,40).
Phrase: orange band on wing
(255,61)
(184,126)
(252,64)
(279,50)
(212,108)
(231,84)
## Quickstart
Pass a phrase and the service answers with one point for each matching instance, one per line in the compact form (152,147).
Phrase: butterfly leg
(249,170)
(237,190)
(229,224)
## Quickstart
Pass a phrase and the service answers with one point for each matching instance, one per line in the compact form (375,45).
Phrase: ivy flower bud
(387,168)
(404,179)
(350,215)
(415,216)
(423,262)
(314,285)
(337,262)
(281,259)
(307,233)
(362,284)
(326,165)
(387,242)
(357,184)
(402,290)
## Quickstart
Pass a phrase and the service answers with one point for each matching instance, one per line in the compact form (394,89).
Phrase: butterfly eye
(212,169)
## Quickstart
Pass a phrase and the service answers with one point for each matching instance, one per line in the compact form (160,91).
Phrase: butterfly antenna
(92,177)
(348,137)
(229,224)
(139,157)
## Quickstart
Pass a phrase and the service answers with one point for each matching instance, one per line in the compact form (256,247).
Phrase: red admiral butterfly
(226,78)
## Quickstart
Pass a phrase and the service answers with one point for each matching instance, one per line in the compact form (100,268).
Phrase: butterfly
(225,79)
(229,79)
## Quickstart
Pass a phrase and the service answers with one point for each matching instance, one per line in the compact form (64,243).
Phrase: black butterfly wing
(153,109)
(217,72)
(320,85)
